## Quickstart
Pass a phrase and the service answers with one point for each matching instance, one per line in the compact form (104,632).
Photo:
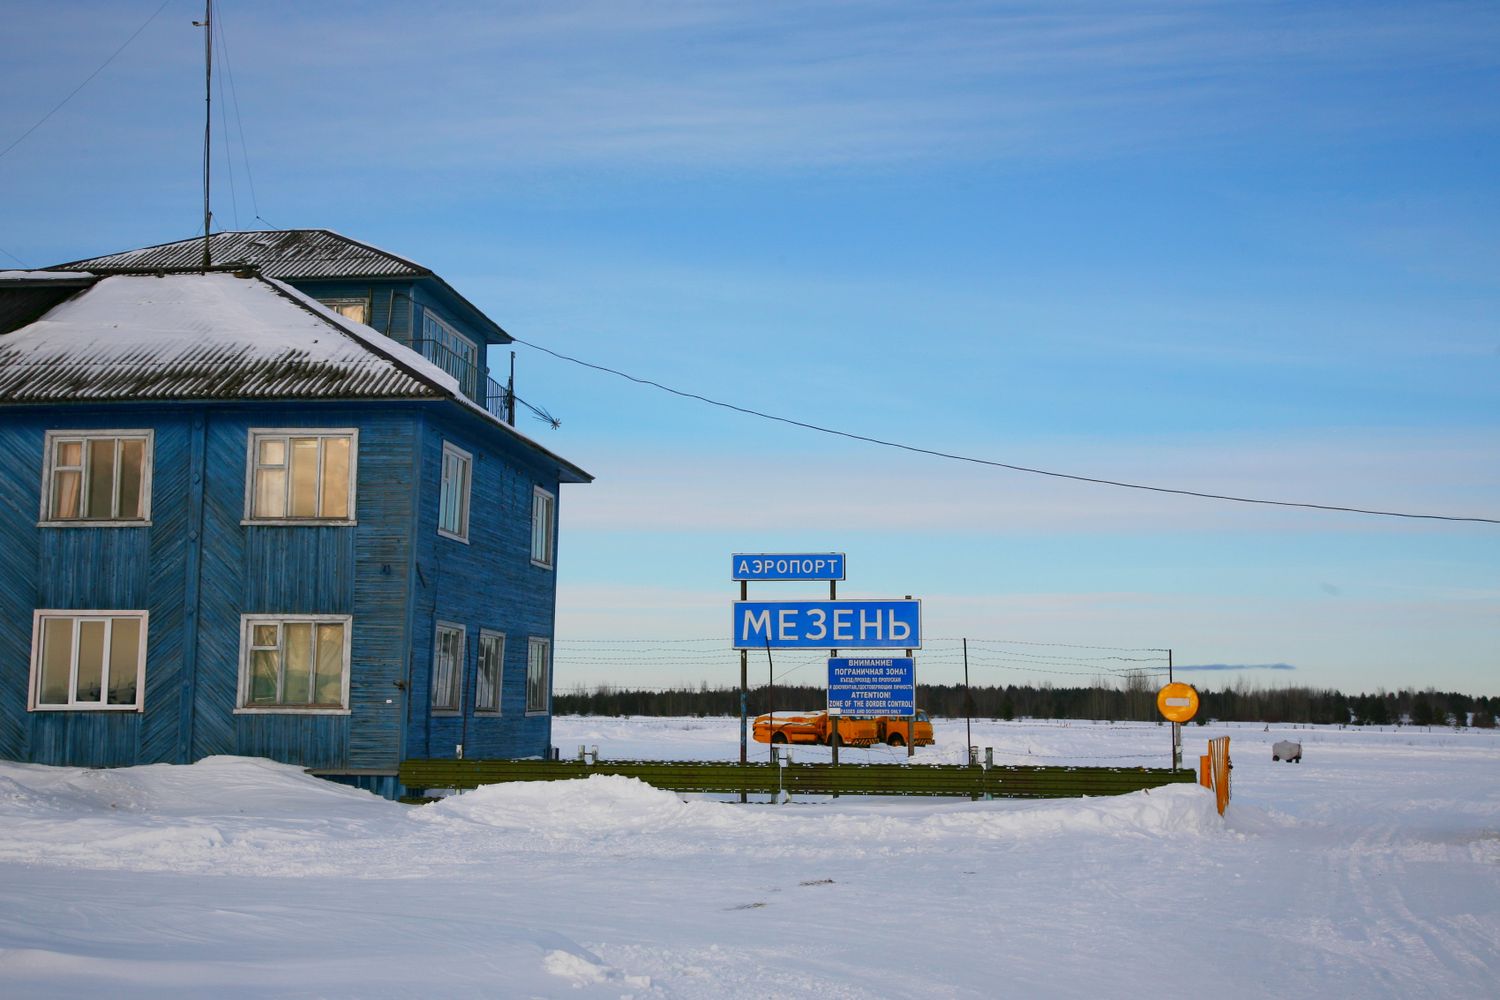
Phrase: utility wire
(1061,645)
(239,119)
(74,92)
(994,464)
(234,195)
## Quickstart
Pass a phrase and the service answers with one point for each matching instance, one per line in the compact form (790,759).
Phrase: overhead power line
(86,80)
(952,456)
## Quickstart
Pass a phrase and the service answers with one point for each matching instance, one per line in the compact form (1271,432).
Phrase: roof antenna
(207,24)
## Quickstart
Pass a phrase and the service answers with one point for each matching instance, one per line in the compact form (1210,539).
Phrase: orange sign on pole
(1177,702)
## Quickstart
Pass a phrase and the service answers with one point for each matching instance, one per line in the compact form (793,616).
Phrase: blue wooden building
(275,509)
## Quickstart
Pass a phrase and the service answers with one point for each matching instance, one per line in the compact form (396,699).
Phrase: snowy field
(1371,869)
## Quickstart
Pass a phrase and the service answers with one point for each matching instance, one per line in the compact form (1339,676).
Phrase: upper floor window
(302,475)
(294,663)
(350,307)
(451,351)
(97,476)
(453,494)
(88,660)
(543,518)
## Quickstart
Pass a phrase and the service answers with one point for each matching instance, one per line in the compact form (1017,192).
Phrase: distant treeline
(1237,703)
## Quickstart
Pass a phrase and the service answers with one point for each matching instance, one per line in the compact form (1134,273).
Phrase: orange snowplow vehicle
(813,727)
(896,731)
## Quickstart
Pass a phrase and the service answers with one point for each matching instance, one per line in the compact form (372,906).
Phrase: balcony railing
(494,397)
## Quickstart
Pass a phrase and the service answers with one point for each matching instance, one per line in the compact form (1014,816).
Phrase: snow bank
(621,814)
(234,814)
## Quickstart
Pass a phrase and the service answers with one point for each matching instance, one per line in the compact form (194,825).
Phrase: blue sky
(1233,248)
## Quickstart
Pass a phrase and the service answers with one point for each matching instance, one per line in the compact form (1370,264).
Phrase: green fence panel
(805,779)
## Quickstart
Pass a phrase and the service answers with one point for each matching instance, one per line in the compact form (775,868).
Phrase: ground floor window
(447,668)
(88,660)
(294,663)
(538,676)
(491,670)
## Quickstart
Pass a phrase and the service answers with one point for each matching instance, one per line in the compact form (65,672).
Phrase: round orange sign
(1177,702)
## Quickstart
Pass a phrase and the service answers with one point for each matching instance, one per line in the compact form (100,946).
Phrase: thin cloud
(755,86)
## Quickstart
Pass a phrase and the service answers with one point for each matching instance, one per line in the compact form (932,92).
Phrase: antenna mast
(207,24)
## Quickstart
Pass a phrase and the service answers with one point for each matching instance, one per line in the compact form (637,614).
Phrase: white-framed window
(297,476)
(294,663)
(97,478)
(538,676)
(543,527)
(487,684)
(451,351)
(352,307)
(453,495)
(448,668)
(88,661)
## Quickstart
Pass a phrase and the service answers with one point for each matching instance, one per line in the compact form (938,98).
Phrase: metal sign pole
(835,736)
(771,709)
(744,703)
(1172,758)
(911,723)
(1176,727)
(968,711)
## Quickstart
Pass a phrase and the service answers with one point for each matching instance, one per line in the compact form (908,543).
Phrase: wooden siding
(390,302)
(85,568)
(197,569)
(20,499)
(342,570)
(490,584)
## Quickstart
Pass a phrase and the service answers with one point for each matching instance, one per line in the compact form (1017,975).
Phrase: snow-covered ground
(1371,869)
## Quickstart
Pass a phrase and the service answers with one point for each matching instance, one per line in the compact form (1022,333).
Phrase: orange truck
(813,728)
(896,731)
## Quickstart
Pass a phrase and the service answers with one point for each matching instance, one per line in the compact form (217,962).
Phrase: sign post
(778,567)
(744,704)
(835,736)
(1177,703)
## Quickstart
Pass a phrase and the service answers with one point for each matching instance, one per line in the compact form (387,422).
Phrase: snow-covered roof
(200,336)
(35,276)
(216,336)
(285,254)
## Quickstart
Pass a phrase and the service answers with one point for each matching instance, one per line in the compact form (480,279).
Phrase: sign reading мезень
(787,566)
(872,685)
(857,624)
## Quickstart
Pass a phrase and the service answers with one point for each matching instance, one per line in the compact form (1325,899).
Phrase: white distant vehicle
(1286,750)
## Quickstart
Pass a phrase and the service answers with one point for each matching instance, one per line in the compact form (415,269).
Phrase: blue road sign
(787,566)
(872,685)
(857,624)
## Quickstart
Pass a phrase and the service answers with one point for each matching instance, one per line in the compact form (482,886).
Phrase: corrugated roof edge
(420,368)
(427,272)
(191,240)
(422,272)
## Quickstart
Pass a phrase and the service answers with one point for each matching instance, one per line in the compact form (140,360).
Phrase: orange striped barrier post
(1218,751)
(1205,771)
